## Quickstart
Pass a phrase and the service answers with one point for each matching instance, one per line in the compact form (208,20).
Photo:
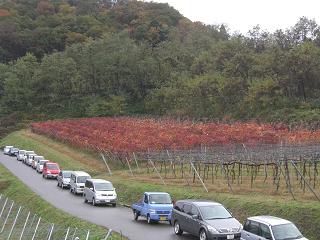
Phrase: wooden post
(195,170)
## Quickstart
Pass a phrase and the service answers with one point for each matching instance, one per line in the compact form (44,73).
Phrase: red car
(50,170)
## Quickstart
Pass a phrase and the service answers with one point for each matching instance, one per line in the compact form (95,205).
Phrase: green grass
(305,214)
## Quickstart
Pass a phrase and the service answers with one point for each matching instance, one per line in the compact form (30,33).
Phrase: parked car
(28,160)
(50,170)
(26,154)
(6,149)
(99,191)
(20,155)
(13,151)
(40,165)
(154,206)
(204,219)
(268,227)
(77,181)
(35,160)
(64,179)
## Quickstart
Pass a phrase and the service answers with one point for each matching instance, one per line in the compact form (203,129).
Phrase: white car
(26,155)
(40,165)
(6,149)
(20,155)
(99,191)
(268,227)
(77,181)
(29,158)
(35,160)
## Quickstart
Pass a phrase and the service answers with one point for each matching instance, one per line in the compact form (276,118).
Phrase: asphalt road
(118,219)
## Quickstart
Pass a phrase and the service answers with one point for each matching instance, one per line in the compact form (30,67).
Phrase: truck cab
(154,206)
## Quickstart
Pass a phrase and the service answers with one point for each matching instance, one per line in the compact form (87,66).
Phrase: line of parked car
(94,191)
(204,219)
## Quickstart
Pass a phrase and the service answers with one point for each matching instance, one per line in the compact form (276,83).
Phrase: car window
(187,208)
(160,199)
(286,231)
(252,227)
(145,198)
(194,211)
(214,212)
(265,231)
(178,206)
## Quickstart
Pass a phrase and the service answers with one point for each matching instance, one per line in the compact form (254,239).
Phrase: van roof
(98,180)
(80,173)
(270,220)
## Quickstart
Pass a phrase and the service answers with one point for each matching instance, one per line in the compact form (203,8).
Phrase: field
(305,213)
(235,158)
(128,135)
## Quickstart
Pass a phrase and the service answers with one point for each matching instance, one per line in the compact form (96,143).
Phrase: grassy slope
(305,214)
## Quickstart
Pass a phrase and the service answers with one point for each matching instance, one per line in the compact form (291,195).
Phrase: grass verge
(305,214)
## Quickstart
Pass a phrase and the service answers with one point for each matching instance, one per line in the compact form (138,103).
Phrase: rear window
(66,174)
(52,166)
(82,179)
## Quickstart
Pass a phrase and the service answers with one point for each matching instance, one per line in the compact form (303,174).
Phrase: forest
(87,58)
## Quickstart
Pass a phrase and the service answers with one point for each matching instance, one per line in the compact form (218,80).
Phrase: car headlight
(48,172)
(212,229)
(99,195)
(152,211)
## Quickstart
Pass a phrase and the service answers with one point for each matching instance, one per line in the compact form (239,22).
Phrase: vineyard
(240,157)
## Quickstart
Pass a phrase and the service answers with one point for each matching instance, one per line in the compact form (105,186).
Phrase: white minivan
(77,181)
(99,191)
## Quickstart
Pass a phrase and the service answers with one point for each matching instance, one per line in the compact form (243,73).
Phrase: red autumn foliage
(4,12)
(127,135)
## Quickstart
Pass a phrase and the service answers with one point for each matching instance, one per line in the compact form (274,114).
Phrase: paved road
(119,219)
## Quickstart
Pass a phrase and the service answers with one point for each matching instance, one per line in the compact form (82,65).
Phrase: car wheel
(42,176)
(135,215)
(85,199)
(114,204)
(93,202)
(58,184)
(203,235)
(177,229)
(149,221)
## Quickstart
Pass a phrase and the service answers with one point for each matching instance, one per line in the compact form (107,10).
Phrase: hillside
(82,58)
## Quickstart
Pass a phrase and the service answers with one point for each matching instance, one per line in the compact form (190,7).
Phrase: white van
(99,191)
(6,149)
(77,181)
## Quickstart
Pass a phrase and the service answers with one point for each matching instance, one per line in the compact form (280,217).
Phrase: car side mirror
(195,217)
(91,189)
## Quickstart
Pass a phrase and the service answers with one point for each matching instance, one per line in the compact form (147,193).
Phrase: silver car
(99,191)
(35,160)
(64,179)
(268,227)
(204,219)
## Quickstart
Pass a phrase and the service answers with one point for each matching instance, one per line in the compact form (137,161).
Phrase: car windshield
(22,152)
(82,179)
(42,162)
(286,232)
(52,166)
(66,174)
(38,158)
(103,186)
(160,199)
(214,212)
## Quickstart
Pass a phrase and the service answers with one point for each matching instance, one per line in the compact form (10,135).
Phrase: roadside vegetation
(306,213)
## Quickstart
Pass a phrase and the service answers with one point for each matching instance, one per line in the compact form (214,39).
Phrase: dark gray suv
(208,220)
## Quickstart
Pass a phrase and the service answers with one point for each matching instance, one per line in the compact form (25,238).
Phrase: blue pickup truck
(154,206)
